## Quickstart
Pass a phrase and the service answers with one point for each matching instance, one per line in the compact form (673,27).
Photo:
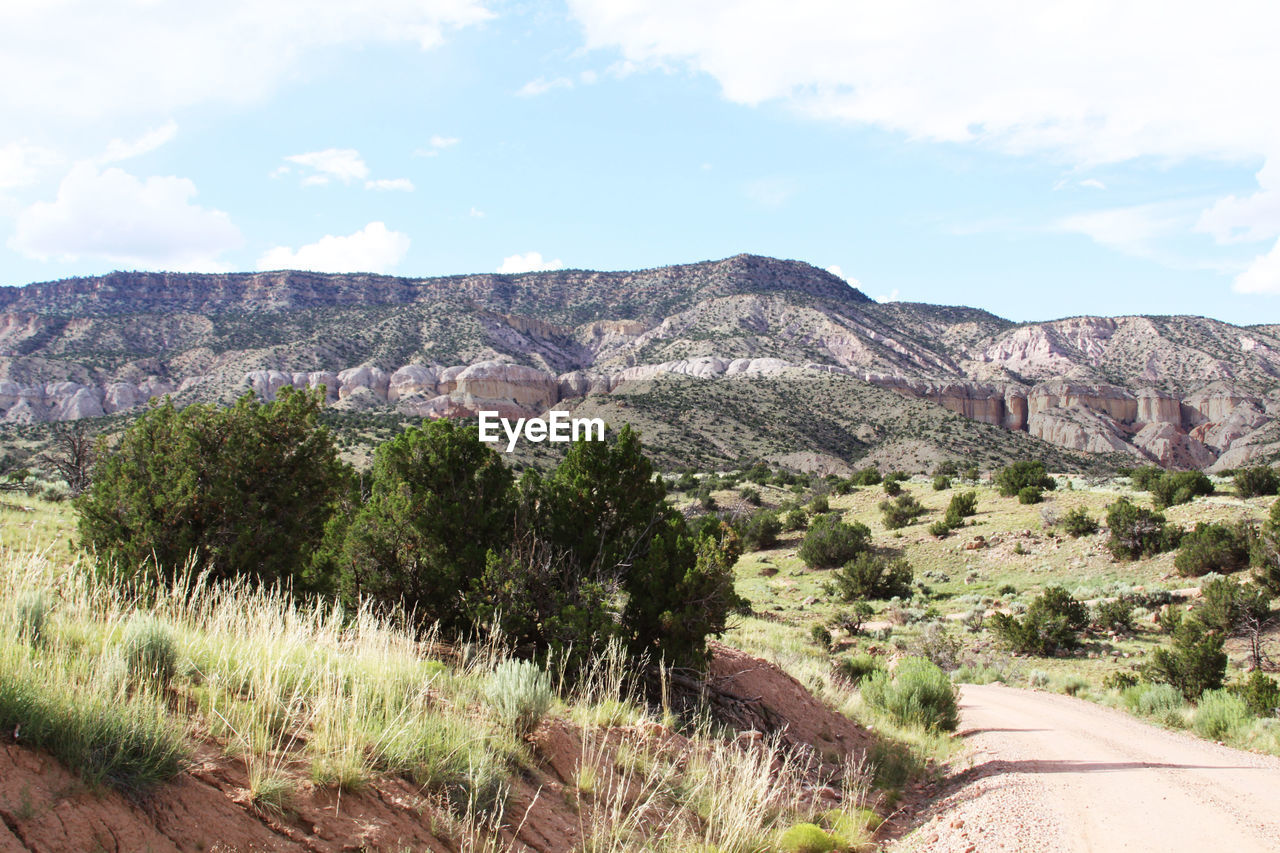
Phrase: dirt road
(1052,773)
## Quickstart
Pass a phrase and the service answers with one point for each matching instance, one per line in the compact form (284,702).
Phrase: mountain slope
(1183,391)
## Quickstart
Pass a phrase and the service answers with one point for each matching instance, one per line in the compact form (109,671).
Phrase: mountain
(829,370)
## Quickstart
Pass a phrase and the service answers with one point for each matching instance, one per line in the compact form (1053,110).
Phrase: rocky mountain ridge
(1182,391)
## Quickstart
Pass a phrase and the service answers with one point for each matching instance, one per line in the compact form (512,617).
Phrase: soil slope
(1054,773)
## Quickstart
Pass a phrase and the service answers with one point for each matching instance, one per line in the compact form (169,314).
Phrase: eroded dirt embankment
(45,807)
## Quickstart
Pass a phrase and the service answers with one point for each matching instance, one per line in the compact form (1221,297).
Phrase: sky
(1038,160)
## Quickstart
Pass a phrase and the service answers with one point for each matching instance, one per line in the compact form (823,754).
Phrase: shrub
(1195,662)
(1179,487)
(1072,685)
(750,495)
(1120,681)
(1145,478)
(807,838)
(972,474)
(440,502)
(941,483)
(939,528)
(686,482)
(1257,481)
(892,488)
(872,576)
(148,649)
(760,530)
(1220,714)
(866,477)
(961,507)
(796,519)
(1077,522)
(1051,625)
(1030,495)
(918,693)
(1225,604)
(520,693)
(244,491)
(949,468)
(1114,615)
(1137,532)
(820,505)
(1212,548)
(1161,702)
(831,542)
(901,511)
(1260,693)
(857,667)
(1265,551)
(937,645)
(1012,479)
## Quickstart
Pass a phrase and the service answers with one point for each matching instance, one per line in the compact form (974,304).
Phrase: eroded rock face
(1079,428)
(1168,445)
(527,387)
(1110,400)
(411,380)
(374,379)
(1158,407)
(1216,403)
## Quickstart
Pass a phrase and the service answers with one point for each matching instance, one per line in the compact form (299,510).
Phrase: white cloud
(122,149)
(1134,230)
(1263,275)
(393,184)
(86,58)
(435,145)
(1087,81)
(1083,83)
(836,271)
(529,262)
(343,164)
(21,164)
(541,85)
(114,216)
(373,248)
(476,213)
(892,296)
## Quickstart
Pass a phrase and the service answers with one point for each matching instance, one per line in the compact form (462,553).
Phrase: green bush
(148,649)
(1179,487)
(949,468)
(440,503)
(1051,625)
(939,528)
(1012,479)
(1077,522)
(1162,702)
(244,491)
(857,667)
(797,519)
(866,477)
(1137,532)
(1212,548)
(872,576)
(918,693)
(759,531)
(807,838)
(1193,664)
(831,542)
(1257,481)
(941,483)
(1225,604)
(901,511)
(892,488)
(1264,551)
(1220,714)
(961,507)
(1260,693)
(520,693)
(820,505)
(1030,495)
(1114,615)
(750,495)
(1145,478)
